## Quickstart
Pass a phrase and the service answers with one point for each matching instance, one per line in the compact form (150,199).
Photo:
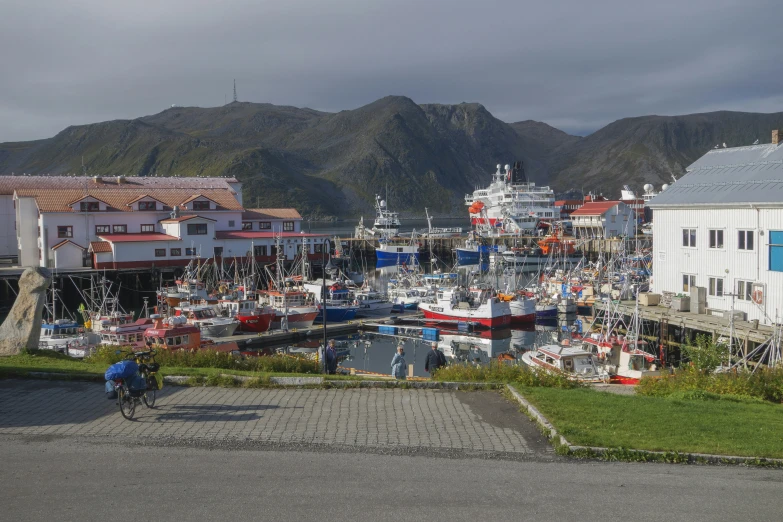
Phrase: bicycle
(128,398)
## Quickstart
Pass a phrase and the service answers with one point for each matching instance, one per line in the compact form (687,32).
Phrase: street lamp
(324,254)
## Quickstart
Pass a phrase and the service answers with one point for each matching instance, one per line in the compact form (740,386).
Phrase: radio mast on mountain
(235,90)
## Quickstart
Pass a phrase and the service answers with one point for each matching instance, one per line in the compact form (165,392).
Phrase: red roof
(249,234)
(561,202)
(595,208)
(64,242)
(130,238)
(100,247)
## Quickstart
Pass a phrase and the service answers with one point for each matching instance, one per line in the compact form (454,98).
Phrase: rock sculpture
(22,328)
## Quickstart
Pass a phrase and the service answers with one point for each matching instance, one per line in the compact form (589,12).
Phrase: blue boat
(336,314)
(474,253)
(396,252)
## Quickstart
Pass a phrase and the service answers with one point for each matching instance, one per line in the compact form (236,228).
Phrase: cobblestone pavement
(469,421)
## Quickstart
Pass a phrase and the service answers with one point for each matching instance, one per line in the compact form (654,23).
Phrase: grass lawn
(21,365)
(590,418)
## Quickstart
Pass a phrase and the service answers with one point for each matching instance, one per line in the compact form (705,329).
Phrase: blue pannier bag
(137,385)
(111,393)
(121,370)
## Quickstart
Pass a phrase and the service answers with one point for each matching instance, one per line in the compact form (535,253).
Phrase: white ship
(511,203)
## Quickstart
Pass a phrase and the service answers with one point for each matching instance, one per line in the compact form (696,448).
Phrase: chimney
(776,135)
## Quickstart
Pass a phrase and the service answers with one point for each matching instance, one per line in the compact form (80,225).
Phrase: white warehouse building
(721,227)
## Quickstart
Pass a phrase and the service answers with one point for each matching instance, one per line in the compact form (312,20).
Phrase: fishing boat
(338,303)
(174,333)
(545,309)
(439,232)
(370,303)
(206,319)
(188,288)
(62,334)
(251,316)
(478,306)
(475,349)
(511,203)
(124,334)
(475,250)
(397,251)
(523,309)
(574,362)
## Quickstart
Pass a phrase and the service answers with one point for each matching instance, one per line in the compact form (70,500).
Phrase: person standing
(434,360)
(398,364)
(331,358)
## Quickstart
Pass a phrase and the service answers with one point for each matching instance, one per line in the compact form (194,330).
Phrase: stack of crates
(430,334)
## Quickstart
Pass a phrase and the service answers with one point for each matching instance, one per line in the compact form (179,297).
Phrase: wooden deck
(702,323)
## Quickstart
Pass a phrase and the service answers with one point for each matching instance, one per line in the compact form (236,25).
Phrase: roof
(83,197)
(142,196)
(10,183)
(249,234)
(561,202)
(737,175)
(136,238)
(184,218)
(65,242)
(595,208)
(116,199)
(100,247)
(197,196)
(270,213)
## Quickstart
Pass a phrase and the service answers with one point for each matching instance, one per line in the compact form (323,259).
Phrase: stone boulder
(22,328)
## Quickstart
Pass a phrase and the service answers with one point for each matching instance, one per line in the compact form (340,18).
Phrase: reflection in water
(372,352)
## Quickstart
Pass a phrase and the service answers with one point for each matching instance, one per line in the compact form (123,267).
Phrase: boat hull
(336,315)
(382,310)
(219,330)
(255,323)
(547,311)
(487,322)
(296,320)
(395,258)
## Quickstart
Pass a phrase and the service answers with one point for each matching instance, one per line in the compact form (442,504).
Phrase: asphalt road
(90,479)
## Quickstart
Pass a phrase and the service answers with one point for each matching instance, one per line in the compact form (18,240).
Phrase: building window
(776,250)
(64,231)
(288,226)
(689,237)
(175,252)
(247,225)
(716,287)
(259,250)
(231,223)
(190,251)
(147,205)
(197,229)
(319,248)
(716,238)
(744,290)
(148,228)
(218,251)
(265,225)
(201,205)
(119,229)
(688,282)
(102,229)
(89,206)
(614,218)
(745,239)
(160,252)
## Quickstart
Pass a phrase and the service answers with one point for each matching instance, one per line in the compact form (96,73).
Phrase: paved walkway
(469,421)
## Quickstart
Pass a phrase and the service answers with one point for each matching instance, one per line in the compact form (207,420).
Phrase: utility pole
(235,90)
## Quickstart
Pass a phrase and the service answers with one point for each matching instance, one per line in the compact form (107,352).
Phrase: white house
(721,227)
(603,220)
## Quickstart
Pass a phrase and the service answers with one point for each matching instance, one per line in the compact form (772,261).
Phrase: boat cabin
(173,333)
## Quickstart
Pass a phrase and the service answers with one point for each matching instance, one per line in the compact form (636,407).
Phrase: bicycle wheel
(127,403)
(149,396)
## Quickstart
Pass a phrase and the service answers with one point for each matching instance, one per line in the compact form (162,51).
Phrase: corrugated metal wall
(671,259)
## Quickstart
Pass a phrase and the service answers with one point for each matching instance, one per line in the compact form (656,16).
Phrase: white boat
(62,335)
(511,202)
(205,318)
(574,362)
(370,303)
(439,232)
(478,306)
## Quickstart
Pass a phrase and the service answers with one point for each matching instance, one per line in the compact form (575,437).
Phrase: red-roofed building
(566,206)
(603,219)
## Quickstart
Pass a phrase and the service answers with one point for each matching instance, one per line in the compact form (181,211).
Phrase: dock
(676,328)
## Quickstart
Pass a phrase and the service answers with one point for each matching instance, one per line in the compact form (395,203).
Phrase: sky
(576,65)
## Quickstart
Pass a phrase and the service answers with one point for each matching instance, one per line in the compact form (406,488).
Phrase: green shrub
(497,371)
(213,359)
(705,354)
(765,384)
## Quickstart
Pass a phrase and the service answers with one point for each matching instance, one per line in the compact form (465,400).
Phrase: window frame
(712,287)
(201,205)
(690,282)
(744,290)
(742,240)
(175,252)
(123,231)
(65,232)
(147,205)
(232,223)
(196,228)
(99,232)
(150,231)
(775,251)
(289,226)
(689,236)
(190,252)
(714,234)
(84,206)
(160,252)
(247,225)
(217,251)
(259,250)
(264,225)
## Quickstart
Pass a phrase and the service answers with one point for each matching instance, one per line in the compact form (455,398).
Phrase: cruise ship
(511,203)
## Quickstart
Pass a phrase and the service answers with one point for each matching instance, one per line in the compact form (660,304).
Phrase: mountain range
(333,164)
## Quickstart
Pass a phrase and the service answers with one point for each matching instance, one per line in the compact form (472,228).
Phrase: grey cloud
(576,65)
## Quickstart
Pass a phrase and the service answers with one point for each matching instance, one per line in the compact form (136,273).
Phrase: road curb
(660,456)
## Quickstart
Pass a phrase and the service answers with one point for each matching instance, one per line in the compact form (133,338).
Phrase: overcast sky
(577,65)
